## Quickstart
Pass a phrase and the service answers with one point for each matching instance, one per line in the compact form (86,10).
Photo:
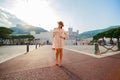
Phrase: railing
(108,48)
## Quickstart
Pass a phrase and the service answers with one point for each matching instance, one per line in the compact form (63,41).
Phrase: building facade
(45,37)
(73,35)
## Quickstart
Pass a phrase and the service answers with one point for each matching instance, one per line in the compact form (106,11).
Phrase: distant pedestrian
(47,42)
(59,35)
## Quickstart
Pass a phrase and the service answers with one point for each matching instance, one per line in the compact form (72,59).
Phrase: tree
(99,35)
(21,38)
(109,34)
(112,33)
(117,35)
(4,34)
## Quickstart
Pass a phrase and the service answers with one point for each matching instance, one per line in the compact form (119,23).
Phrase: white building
(47,36)
(73,35)
(43,36)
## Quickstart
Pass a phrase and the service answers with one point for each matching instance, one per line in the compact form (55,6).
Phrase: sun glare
(36,12)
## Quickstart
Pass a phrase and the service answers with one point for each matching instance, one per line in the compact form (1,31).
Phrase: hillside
(18,26)
(26,29)
(88,34)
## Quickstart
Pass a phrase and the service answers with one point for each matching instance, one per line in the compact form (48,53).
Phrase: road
(39,65)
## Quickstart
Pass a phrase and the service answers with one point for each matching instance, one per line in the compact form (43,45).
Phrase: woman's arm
(54,32)
(66,34)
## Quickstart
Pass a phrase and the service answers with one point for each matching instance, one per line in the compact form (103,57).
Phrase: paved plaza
(90,50)
(39,65)
(9,52)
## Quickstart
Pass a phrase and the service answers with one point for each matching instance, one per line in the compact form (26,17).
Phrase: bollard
(27,47)
(36,46)
(39,45)
(97,50)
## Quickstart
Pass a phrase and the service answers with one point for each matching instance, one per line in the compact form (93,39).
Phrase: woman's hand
(62,37)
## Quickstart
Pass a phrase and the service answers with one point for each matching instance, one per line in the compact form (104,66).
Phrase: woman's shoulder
(55,28)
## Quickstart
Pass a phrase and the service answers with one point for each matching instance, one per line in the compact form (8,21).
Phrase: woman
(59,35)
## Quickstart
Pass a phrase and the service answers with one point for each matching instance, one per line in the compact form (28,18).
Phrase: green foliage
(112,33)
(22,36)
(4,32)
(99,35)
(116,33)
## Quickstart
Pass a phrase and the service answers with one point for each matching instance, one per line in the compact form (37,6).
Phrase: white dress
(58,38)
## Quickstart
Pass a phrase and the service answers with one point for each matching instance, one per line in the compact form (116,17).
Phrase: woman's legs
(61,54)
(57,54)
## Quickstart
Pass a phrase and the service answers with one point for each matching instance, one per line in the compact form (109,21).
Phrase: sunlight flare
(36,12)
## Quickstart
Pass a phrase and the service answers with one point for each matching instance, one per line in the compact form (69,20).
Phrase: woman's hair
(61,23)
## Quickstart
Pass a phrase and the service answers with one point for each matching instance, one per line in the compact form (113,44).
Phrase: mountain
(26,29)
(89,34)
(18,26)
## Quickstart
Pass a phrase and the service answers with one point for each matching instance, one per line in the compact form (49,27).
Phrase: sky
(82,15)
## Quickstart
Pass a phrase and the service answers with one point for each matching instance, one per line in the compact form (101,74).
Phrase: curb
(93,55)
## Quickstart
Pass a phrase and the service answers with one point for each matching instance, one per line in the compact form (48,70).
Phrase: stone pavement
(39,65)
(90,50)
(11,51)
